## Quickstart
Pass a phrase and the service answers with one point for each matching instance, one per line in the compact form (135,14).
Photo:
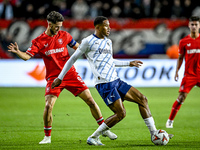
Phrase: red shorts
(188,83)
(72,83)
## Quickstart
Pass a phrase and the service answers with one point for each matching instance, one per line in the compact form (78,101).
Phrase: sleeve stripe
(72,43)
(29,53)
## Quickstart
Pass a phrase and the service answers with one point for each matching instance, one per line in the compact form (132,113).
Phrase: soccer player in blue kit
(98,50)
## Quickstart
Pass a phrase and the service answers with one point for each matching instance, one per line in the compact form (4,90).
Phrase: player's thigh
(117,107)
(187,84)
(74,84)
(133,95)
(86,96)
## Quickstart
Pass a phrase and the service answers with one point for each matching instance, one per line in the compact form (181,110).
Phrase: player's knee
(48,106)
(90,102)
(144,100)
(181,98)
(121,115)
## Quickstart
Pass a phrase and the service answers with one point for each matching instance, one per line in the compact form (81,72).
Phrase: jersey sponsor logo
(192,51)
(189,44)
(104,51)
(52,51)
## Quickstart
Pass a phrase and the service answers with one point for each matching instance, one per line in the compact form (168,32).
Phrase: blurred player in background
(52,46)
(98,50)
(189,48)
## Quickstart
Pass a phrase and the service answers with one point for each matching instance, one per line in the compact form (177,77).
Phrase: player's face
(194,26)
(105,28)
(54,28)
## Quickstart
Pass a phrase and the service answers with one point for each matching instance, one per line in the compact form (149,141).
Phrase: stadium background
(148,30)
(141,29)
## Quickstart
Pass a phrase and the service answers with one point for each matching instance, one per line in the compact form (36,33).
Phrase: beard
(52,32)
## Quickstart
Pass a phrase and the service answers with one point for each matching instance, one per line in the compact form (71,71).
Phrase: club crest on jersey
(60,41)
(189,44)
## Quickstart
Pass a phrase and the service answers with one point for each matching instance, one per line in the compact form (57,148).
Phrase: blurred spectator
(82,9)
(106,9)
(6,10)
(116,11)
(16,4)
(79,9)
(187,9)
(137,12)
(156,9)
(63,8)
(127,9)
(95,9)
(28,9)
(165,11)
(42,10)
(116,2)
(176,9)
(147,8)
(196,11)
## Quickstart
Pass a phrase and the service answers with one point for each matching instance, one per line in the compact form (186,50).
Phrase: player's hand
(176,76)
(14,48)
(56,83)
(136,63)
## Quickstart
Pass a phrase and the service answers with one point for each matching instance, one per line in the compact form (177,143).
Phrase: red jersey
(54,51)
(190,48)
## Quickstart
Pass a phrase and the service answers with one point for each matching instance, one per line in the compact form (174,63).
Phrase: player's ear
(97,27)
(50,24)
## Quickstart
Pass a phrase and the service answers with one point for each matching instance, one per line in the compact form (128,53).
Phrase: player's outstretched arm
(119,63)
(66,68)
(136,63)
(14,48)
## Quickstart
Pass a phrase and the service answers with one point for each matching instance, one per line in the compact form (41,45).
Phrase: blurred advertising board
(131,38)
(153,73)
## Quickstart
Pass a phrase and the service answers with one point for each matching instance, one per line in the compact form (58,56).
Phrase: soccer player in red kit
(189,48)
(52,47)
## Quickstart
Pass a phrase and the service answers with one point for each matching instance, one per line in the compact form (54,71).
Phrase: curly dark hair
(194,18)
(99,20)
(54,17)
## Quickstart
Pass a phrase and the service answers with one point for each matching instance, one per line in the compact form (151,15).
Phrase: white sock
(150,124)
(99,130)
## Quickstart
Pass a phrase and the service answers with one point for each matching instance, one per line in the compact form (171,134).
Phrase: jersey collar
(98,37)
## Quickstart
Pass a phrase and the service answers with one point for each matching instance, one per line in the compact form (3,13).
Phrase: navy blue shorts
(112,91)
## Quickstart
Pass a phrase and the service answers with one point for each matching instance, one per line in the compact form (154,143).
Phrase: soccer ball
(160,137)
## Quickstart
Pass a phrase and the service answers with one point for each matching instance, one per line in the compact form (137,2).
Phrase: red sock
(175,108)
(47,130)
(100,120)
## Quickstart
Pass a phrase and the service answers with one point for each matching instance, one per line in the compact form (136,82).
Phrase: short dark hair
(99,20)
(194,18)
(55,17)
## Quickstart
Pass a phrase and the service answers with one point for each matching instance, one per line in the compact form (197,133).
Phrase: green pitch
(21,124)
